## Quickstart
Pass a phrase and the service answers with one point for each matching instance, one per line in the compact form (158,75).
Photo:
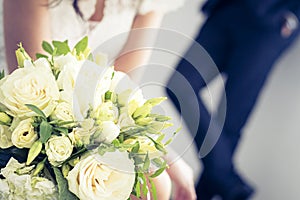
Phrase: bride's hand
(183,179)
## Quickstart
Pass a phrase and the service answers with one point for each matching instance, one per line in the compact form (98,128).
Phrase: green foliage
(45,131)
(81,45)
(2,74)
(62,48)
(47,47)
(63,188)
(36,110)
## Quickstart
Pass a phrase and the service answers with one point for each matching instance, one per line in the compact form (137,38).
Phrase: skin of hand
(182,177)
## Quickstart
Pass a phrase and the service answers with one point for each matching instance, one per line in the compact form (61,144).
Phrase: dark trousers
(245,52)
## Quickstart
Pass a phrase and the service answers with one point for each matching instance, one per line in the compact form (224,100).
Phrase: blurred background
(269,153)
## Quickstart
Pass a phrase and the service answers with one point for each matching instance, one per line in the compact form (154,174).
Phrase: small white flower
(58,149)
(85,131)
(63,111)
(23,136)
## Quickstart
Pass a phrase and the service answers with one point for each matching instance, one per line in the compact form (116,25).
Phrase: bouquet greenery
(55,146)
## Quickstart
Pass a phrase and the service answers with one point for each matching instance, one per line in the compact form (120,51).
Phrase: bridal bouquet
(59,142)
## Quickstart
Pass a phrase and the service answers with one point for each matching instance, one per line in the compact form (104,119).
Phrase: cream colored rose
(63,111)
(41,63)
(23,136)
(58,149)
(5,137)
(85,131)
(29,85)
(61,61)
(69,68)
(100,177)
(108,131)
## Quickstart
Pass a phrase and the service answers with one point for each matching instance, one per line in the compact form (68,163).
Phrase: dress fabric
(118,16)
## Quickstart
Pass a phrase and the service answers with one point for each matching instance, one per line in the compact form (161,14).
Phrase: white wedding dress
(118,17)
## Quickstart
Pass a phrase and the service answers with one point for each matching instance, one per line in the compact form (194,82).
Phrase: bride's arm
(127,60)
(25,21)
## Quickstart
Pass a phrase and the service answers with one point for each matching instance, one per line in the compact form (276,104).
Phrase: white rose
(39,63)
(85,131)
(69,68)
(58,149)
(29,85)
(99,177)
(63,111)
(23,136)
(5,137)
(61,61)
(108,132)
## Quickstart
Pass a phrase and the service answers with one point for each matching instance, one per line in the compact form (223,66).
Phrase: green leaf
(169,141)
(138,189)
(153,189)
(81,45)
(62,47)
(2,74)
(158,162)
(63,188)
(36,110)
(34,151)
(47,47)
(39,55)
(144,188)
(158,172)
(61,130)
(45,131)
(146,163)
(155,101)
(135,148)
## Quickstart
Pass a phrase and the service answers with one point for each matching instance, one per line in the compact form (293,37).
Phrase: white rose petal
(29,85)
(85,131)
(58,149)
(63,111)
(109,132)
(97,177)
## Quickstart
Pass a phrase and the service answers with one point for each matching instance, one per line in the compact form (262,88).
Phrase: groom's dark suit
(243,37)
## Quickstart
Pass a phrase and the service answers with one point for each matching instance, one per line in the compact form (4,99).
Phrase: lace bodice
(118,16)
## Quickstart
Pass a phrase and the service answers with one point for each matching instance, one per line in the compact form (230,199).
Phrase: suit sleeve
(271,13)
